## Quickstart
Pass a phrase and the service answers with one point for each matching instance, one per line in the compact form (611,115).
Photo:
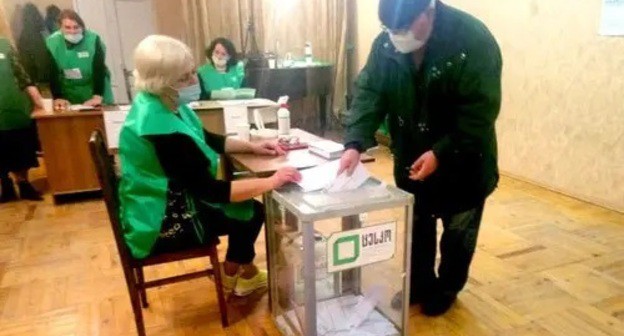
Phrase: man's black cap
(399,14)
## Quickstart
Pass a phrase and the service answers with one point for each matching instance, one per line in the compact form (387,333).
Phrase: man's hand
(267,148)
(95,101)
(349,160)
(424,166)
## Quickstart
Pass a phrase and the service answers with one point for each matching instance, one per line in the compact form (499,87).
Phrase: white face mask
(406,42)
(219,62)
(73,38)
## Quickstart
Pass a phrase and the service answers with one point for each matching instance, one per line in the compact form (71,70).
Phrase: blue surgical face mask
(189,94)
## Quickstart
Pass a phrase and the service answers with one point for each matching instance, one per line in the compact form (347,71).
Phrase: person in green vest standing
(169,195)
(223,69)
(18,135)
(78,71)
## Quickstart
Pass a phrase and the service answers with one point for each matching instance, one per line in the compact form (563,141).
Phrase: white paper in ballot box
(326,177)
(354,315)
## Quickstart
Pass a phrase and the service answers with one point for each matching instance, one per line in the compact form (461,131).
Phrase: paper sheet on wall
(234,115)
(612,21)
(113,121)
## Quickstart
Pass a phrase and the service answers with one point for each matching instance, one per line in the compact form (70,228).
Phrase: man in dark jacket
(435,72)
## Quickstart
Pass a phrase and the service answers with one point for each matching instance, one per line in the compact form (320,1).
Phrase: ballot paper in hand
(326,177)
(319,177)
(343,182)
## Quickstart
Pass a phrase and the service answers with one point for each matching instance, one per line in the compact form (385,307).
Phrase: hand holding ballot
(329,177)
(349,160)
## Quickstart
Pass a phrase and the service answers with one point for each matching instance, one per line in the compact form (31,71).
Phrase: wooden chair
(133,268)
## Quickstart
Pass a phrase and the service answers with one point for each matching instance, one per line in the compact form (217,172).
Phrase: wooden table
(64,138)
(262,166)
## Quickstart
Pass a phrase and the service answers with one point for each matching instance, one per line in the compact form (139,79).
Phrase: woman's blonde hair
(160,61)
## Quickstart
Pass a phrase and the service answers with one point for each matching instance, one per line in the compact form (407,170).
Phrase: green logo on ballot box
(346,250)
(356,248)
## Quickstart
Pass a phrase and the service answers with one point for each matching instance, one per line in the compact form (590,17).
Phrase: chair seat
(161,258)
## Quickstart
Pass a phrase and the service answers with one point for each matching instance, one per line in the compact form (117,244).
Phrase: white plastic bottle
(308,53)
(283,120)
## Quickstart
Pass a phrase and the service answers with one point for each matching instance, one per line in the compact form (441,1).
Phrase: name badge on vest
(73,73)
(2,56)
(83,54)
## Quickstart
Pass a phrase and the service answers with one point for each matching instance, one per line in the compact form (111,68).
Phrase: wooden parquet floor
(546,265)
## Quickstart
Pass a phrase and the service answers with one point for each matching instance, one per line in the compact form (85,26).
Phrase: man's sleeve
(478,103)
(366,113)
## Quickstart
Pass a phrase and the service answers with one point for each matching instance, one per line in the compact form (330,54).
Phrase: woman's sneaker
(229,282)
(245,287)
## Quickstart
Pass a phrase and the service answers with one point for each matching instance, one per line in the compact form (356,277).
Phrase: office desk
(262,166)
(64,138)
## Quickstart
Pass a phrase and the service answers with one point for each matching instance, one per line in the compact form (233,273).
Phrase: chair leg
(214,260)
(135,302)
(141,282)
(138,313)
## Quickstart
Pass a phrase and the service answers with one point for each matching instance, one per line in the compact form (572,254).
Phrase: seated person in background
(223,70)
(78,68)
(170,198)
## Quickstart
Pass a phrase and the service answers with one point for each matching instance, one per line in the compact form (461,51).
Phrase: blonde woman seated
(170,198)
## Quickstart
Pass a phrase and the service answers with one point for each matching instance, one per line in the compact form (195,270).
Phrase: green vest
(143,185)
(214,80)
(76,67)
(15,105)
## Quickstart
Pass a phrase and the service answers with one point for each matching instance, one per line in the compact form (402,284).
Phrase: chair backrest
(105,168)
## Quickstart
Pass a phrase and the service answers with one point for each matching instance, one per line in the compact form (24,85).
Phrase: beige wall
(562,120)
(368,26)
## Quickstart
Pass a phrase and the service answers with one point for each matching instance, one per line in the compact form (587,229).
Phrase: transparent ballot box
(337,259)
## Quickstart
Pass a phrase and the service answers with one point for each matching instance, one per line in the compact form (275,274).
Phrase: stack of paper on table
(83,108)
(326,148)
(230,93)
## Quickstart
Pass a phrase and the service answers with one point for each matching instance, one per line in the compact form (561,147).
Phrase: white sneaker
(229,282)
(245,287)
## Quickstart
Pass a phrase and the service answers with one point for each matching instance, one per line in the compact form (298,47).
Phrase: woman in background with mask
(170,197)
(223,70)
(78,74)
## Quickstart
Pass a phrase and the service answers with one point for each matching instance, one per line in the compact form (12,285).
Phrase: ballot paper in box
(331,242)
